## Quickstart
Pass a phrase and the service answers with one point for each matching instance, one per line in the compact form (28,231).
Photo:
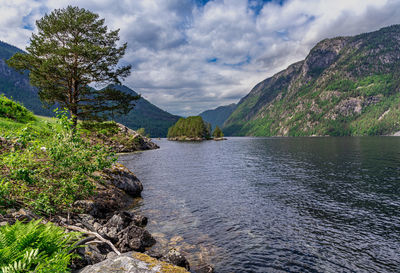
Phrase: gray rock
(134,238)
(125,180)
(121,225)
(132,263)
(90,254)
(176,258)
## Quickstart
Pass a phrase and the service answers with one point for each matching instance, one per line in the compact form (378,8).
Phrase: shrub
(35,247)
(50,174)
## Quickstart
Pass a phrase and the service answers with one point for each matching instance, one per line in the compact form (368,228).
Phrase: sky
(189,56)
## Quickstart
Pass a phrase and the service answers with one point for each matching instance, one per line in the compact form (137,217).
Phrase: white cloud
(189,58)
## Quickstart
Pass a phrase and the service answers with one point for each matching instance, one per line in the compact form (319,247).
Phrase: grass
(44,166)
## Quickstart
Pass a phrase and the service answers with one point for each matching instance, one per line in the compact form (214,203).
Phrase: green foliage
(142,132)
(71,50)
(341,85)
(217,132)
(13,110)
(35,247)
(52,167)
(107,128)
(190,127)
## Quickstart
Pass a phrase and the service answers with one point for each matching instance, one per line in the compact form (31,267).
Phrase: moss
(164,267)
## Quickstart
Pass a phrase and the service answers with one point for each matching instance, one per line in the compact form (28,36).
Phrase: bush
(49,174)
(35,247)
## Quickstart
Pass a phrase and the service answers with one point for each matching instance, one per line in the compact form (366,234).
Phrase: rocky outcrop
(176,258)
(124,229)
(186,138)
(116,191)
(132,262)
(118,137)
(104,216)
(124,179)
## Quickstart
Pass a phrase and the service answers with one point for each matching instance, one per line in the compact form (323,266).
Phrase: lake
(318,204)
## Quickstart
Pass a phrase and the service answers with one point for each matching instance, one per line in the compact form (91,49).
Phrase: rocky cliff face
(345,86)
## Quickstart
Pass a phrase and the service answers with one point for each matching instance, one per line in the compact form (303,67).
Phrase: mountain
(218,115)
(146,115)
(345,86)
(16,85)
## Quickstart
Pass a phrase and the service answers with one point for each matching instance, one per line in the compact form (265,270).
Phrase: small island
(193,128)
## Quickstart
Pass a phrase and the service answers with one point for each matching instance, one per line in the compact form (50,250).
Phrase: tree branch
(98,236)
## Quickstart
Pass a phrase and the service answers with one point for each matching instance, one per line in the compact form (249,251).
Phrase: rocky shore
(105,216)
(120,139)
(186,138)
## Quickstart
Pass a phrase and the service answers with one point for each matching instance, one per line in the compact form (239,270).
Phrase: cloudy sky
(192,55)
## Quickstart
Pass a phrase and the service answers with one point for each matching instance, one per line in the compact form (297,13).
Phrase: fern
(35,247)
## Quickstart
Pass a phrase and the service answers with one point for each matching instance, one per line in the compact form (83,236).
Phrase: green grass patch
(14,111)
(45,167)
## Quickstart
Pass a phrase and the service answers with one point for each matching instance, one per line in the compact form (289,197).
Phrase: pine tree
(72,50)
(217,132)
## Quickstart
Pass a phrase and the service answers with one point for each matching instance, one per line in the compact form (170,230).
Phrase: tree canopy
(72,50)
(191,127)
(217,132)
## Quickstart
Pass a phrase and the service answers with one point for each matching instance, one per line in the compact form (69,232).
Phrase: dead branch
(98,236)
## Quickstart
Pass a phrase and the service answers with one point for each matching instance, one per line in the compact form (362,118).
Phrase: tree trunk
(74,117)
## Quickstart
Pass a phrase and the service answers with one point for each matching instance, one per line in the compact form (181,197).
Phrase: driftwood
(95,234)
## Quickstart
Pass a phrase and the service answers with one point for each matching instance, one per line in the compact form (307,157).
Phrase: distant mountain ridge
(146,115)
(16,85)
(345,86)
(218,115)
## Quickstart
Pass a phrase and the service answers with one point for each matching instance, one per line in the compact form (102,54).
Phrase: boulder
(176,258)
(91,254)
(107,200)
(132,262)
(134,238)
(124,179)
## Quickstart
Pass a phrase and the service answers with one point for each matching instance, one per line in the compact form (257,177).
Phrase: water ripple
(276,204)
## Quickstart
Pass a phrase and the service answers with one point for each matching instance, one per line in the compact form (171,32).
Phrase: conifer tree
(217,132)
(72,50)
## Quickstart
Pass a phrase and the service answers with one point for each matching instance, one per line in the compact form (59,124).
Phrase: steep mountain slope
(146,115)
(218,115)
(345,86)
(16,85)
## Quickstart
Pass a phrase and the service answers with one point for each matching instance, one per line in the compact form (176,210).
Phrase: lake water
(275,204)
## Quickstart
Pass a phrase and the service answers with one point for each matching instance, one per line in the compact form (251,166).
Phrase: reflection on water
(276,204)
